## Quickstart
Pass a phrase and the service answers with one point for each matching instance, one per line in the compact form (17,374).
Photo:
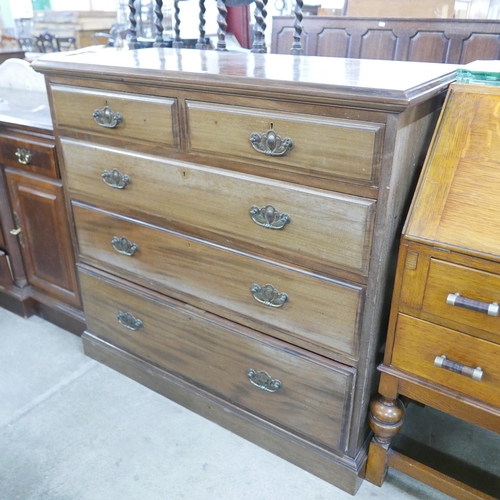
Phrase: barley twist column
(159,24)
(259,41)
(221,21)
(200,44)
(296,49)
(133,43)
(177,43)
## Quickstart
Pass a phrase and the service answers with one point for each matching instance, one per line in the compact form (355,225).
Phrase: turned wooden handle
(452,366)
(455,299)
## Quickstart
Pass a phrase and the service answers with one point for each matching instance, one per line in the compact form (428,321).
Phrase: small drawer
(418,343)
(309,227)
(307,394)
(122,118)
(36,156)
(321,146)
(5,270)
(316,311)
(476,306)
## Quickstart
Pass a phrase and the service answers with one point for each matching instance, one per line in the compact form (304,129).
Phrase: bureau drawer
(36,156)
(324,147)
(480,290)
(318,311)
(418,343)
(314,399)
(141,118)
(324,229)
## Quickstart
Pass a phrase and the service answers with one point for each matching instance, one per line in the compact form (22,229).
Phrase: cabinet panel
(45,239)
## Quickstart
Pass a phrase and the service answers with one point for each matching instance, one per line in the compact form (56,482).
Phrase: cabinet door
(40,213)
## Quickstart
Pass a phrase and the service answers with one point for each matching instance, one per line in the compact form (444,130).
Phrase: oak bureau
(236,218)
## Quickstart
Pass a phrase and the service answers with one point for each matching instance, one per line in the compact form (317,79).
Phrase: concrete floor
(73,429)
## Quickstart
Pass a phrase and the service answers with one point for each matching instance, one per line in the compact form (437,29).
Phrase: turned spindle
(221,21)
(159,24)
(177,43)
(259,41)
(133,43)
(296,49)
(200,44)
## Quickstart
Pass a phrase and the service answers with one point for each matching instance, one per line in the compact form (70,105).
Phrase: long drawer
(418,343)
(321,146)
(299,391)
(119,118)
(316,310)
(307,226)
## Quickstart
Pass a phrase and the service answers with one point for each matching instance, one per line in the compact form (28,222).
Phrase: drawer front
(143,119)
(323,228)
(324,147)
(37,157)
(314,398)
(445,279)
(418,343)
(318,311)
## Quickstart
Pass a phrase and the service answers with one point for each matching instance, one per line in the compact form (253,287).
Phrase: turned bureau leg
(385,419)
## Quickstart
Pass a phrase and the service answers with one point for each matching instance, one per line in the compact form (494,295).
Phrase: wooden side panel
(332,42)
(428,47)
(46,242)
(378,44)
(314,395)
(480,46)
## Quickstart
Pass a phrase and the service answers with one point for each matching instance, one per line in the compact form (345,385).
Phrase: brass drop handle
(124,246)
(115,179)
(269,217)
(452,366)
(23,156)
(268,295)
(106,117)
(17,231)
(455,299)
(263,380)
(128,320)
(270,143)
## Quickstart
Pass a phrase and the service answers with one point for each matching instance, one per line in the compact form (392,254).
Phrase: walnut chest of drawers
(443,346)
(236,218)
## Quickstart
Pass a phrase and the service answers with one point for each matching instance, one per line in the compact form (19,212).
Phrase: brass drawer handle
(455,299)
(124,246)
(24,156)
(269,217)
(17,231)
(263,380)
(128,320)
(452,366)
(115,179)
(106,117)
(268,295)
(270,143)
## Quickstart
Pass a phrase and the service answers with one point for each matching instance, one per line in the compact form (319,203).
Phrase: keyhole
(184,174)
(271,126)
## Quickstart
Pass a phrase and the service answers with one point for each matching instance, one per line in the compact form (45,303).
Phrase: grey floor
(73,429)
